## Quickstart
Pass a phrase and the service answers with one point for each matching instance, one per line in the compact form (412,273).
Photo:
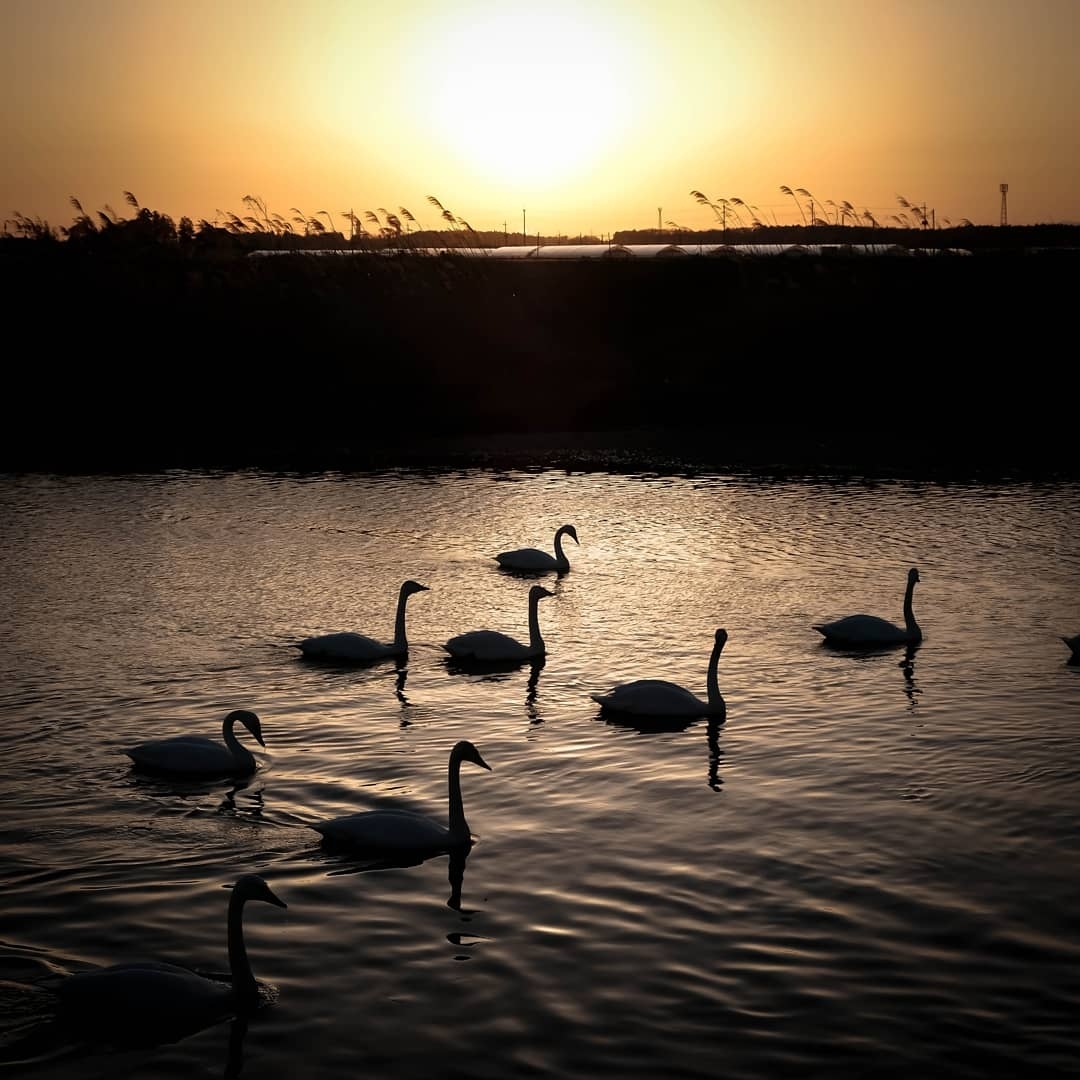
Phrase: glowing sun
(532,94)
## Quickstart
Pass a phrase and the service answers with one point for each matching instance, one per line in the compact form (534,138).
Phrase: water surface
(868,868)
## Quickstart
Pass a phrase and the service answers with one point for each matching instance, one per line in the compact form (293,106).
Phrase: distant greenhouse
(636,251)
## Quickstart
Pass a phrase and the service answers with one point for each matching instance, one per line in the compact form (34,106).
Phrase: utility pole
(659,219)
(524,235)
(1004,204)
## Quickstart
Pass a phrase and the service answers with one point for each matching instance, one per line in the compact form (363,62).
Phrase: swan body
(870,631)
(658,697)
(145,996)
(491,646)
(1074,647)
(389,832)
(351,647)
(535,559)
(198,756)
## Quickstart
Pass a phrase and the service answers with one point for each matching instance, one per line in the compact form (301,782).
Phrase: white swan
(389,832)
(1074,646)
(199,756)
(348,646)
(535,559)
(491,646)
(870,631)
(658,697)
(151,999)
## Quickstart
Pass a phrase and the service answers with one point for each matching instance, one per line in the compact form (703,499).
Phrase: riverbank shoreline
(755,451)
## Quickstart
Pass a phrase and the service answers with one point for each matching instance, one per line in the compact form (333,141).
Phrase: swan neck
(399,622)
(536,642)
(712,682)
(243,979)
(459,827)
(910,624)
(231,741)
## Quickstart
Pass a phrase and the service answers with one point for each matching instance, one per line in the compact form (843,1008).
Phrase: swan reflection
(907,665)
(712,734)
(399,690)
(456,875)
(656,725)
(228,807)
(500,671)
(165,787)
(530,692)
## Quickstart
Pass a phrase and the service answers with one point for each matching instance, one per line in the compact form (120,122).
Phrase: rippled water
(870,868)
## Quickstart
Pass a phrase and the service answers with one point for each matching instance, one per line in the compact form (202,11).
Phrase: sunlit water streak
(869,868)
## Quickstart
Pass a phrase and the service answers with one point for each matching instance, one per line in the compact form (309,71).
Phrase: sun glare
(526,96)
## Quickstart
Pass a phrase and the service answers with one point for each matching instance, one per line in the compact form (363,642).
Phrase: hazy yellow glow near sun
(527,95)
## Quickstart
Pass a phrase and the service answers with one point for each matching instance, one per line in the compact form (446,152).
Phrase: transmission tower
(1004,204)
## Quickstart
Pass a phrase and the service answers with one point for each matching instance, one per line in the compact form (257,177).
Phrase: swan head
(538,592)
(250,720)
(254,887)
(569,530)
(913,576)
(410,587)
(721,638)
(465,751)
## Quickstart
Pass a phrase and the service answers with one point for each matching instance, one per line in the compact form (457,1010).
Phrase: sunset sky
(590,117)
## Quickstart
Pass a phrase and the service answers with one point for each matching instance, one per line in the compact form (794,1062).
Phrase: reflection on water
(907,665)
(715,753)
(894,839)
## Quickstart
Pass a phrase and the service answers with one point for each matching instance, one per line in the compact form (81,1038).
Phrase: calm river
(869,868)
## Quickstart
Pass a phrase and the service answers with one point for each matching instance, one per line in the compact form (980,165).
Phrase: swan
(1074,646)
(658,697)
(348,646)
(199,756)
(535,559)
(171,1000)
(388,832)
(491,646)
(870,631)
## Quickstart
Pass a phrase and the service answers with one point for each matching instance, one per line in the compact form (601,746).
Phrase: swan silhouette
(155,1001)
(348,647)
(535,559)
(491,646)
(194,755)
(1074,648)
(870,631)
(660,698)
(393,832)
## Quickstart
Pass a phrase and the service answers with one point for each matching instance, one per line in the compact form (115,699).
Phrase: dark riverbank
(933,366)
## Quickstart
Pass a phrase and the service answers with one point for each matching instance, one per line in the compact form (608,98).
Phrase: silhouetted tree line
(148,345)
(262,230)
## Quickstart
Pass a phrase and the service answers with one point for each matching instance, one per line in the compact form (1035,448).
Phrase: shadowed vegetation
(161,344)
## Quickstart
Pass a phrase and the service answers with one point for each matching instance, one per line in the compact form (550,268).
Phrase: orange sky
(590,116)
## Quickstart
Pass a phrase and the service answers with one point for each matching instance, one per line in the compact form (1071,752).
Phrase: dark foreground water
(870,868)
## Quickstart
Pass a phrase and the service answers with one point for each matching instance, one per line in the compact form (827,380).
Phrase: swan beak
(482,763)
